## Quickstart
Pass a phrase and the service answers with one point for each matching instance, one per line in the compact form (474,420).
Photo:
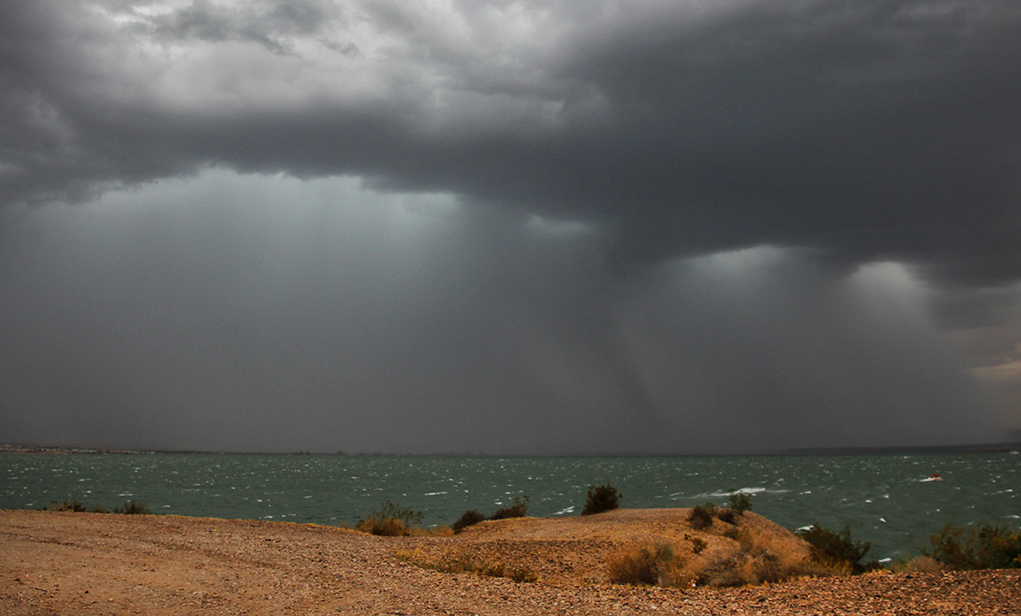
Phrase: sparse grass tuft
(601,498)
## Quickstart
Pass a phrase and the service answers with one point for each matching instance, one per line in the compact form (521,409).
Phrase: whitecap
(434,493)
(885,560)
(565,511)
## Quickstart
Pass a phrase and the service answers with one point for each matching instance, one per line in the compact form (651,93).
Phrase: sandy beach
(80,563)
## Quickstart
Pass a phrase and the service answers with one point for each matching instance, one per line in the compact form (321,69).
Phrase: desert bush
(740,502)
(65,505)
(727,515)
(645,565)
(468,518)
(601,498)
(701,516)
(132,507)
(517,510)
(985,546)
(836,548)
(390,520)
(468,562)
(697,544)
(760,557)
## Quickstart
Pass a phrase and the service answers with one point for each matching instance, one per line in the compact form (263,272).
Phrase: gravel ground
(79,563)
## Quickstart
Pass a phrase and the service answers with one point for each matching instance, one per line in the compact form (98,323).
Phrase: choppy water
(885,498)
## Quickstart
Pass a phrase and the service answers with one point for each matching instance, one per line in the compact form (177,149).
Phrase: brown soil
(80,563)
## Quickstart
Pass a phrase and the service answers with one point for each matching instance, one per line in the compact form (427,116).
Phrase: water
(885,498)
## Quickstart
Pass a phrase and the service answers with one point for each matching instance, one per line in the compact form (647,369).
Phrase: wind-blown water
(887,499)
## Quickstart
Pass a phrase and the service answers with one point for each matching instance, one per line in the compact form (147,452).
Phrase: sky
(510,227)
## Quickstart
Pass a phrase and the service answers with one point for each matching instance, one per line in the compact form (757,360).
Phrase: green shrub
(133,508)
(985,546)
(601,498)
(390,520)
(468,518)
(838,548)
(517,510)
(701,516)
(740,502)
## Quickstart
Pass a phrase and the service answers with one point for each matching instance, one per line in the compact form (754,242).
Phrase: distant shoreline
(806,451)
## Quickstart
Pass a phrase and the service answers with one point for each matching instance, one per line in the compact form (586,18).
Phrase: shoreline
(999,447)
(71,563)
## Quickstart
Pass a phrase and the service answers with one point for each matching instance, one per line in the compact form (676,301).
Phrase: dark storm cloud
(847,133)
(269,24)
(876,129)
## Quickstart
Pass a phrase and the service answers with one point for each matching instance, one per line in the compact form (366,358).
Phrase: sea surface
(890,500)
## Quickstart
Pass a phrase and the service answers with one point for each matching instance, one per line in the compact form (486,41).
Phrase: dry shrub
(390,520)
(132,507)
(468,518)
(920,564)
(601,498)
(982,546)
(383,526)
(755,557)
(701,516)
(727,515)
(698,545)
(677,574)
(651,565)
(633,566)
(517,510)
(468,562)
(65,505)
(838,549)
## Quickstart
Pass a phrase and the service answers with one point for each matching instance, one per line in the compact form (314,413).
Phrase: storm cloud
(510,226)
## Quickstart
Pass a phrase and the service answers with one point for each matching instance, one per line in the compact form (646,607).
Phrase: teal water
(885,498)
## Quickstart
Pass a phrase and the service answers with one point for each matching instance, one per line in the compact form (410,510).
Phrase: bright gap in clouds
(268,313)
